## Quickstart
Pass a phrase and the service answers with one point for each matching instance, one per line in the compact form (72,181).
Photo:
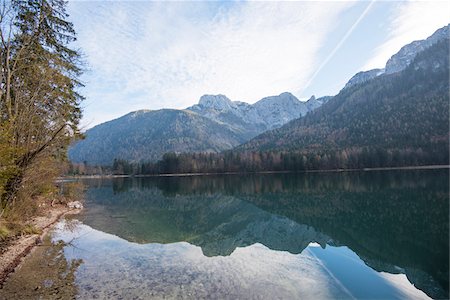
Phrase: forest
(269,161)
(39,103)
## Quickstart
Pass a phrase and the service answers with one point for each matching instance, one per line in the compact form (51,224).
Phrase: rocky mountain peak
(312,99)
(252,119)
(402,58)
(285,98)
(406,55)
(218,102)
(314,102)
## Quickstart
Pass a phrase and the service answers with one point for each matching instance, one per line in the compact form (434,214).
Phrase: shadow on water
(396,221)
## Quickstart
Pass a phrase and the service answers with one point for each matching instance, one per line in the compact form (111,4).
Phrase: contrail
(342,41)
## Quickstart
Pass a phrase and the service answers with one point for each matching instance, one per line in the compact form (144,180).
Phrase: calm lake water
(376,235)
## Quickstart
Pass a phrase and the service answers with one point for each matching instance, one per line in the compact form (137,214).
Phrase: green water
(374,235)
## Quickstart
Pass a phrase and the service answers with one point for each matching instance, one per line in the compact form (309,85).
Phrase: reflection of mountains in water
(396,221)
(275,232)
(216,223)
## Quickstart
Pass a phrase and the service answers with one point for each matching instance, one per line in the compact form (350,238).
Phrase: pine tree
(39,102)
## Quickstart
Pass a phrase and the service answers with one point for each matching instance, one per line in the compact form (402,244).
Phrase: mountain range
(404,111)
(253,119)
(403,106)
(214,124)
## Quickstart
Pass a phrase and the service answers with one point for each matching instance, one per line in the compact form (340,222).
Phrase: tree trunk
(12,187)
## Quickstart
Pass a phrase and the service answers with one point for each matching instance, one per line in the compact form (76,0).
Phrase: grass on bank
(40,193)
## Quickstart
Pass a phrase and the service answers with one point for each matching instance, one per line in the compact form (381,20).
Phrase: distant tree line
(260,161)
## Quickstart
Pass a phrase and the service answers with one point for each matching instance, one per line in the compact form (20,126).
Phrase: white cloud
(414,20)
(155,55)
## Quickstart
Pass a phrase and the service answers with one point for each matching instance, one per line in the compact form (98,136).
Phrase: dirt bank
(13,254)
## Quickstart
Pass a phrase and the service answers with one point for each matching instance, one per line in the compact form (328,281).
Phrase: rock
(75,204)
(268,113)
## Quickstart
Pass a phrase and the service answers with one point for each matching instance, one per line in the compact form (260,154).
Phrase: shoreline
(427,167)
(21,247)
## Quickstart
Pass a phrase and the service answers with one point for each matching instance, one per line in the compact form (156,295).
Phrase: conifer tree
(39,102)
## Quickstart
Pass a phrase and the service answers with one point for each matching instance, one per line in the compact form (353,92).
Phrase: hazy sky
(152,55)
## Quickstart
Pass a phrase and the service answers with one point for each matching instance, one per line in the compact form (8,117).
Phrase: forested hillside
(147,135)
(404,113)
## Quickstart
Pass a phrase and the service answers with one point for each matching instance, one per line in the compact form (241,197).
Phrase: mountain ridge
(214,124)
(267,113)
(406,110)
(147,135)
(400,60)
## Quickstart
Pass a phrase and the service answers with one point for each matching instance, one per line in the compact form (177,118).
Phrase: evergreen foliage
(39,102)
(147,135)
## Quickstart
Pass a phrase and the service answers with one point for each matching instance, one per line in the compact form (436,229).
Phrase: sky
(154,55)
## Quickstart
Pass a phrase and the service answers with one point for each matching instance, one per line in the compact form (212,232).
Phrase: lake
(375,235)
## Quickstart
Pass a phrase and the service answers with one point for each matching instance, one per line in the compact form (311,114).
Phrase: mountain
(406,55)
(147,135)
(275,111)
(401,107)
(405,111)
(214,124)
(403,58)
(253,119)
(314,103)
(363,76)
(233,114)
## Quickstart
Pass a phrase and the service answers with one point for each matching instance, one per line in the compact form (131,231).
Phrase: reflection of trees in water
(46,274)
(396,218)
(398,227)
(270,183)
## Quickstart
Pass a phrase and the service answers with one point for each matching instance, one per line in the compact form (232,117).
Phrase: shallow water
(373,235)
